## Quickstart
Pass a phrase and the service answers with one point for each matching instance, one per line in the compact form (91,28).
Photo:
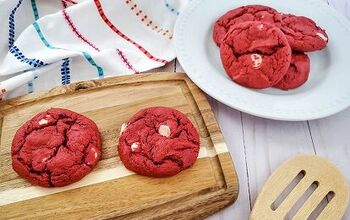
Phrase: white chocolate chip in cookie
(257,60)
(123,127)
(164,130)
(261,26)
(134,146)
(95,152)
(43,121)
(324,38)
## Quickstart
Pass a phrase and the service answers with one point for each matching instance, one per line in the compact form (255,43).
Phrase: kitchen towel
(82,40)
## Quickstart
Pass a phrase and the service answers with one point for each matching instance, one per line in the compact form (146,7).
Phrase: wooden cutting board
(111,191)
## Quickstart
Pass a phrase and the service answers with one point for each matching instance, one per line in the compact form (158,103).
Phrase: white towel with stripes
(71,41)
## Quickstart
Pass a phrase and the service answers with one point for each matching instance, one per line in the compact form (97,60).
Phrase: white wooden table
(259,145)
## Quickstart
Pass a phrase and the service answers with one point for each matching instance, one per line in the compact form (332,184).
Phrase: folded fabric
(85,40)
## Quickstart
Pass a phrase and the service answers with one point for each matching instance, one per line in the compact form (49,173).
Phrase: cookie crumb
(164,130)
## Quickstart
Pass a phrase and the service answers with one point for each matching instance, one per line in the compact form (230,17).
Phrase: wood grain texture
(316,170)
(331,139)
(230,121)
(208,186)
(268,143)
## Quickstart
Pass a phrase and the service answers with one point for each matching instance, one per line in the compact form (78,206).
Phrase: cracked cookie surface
(56,148)
(303,34)
(298,72)
(255,54)
(243,14)
(158,142)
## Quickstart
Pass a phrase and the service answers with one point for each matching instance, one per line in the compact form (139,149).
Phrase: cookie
(56,148)
(298,72)
(303,34)
(158,142)
(255,54)
(243,14)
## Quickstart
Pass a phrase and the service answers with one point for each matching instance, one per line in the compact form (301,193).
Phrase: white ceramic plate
(326,92)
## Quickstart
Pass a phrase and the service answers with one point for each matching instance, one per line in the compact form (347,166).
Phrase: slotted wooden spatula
(304,187)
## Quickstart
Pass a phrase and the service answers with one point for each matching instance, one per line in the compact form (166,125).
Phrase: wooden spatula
(304,187)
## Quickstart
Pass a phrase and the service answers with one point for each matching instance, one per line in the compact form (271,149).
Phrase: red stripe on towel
(75,30)
(145,19)
(80,36)
(126,61)
(71,1)
(117,31)
(64,4)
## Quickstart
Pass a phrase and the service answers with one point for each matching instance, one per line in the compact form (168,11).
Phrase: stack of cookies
(261,47)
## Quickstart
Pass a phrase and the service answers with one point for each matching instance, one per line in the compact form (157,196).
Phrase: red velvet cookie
(303,34)
(297,74)
(56,148)
(255,54)
(243,14)
(158,142)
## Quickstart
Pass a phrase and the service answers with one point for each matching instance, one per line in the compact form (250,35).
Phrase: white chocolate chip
(261,26)
(123,127)
(43,121)
(134,146)
(257,60)
(164,130)
(324,38)
(95,152)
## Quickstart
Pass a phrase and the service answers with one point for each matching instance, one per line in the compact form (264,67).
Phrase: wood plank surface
(111,191)
(317,178)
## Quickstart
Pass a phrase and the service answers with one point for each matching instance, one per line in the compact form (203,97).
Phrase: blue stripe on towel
(35,10)
(21,57)
(12,27)
(65,72)
(86,55)
(171,8)
(30,87)
(36,17)
(92,62)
